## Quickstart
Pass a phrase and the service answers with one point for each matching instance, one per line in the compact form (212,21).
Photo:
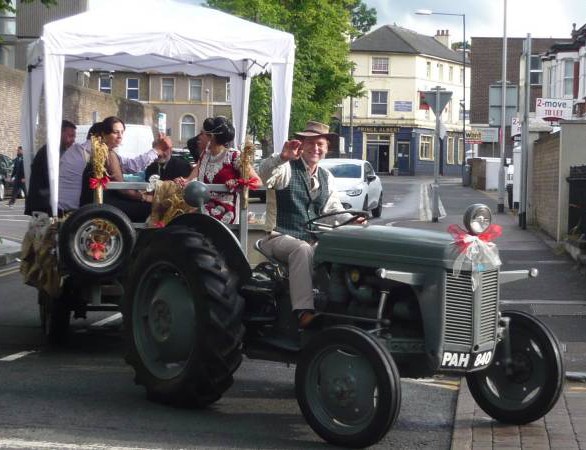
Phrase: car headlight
(353,192)
(477,218)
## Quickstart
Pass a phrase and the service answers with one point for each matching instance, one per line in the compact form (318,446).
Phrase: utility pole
(501,196)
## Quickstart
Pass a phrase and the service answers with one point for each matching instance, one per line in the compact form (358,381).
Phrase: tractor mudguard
(223,239)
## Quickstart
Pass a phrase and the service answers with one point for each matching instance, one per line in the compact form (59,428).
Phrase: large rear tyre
(348,387)
(55,317)
(183,315)
(96,241)
(534,381)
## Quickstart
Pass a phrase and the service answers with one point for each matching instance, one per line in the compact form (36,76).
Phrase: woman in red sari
(221,165)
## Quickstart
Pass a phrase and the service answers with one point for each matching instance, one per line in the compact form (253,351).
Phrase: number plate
(463,360)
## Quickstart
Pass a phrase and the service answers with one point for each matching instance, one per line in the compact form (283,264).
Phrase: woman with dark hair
(220,164)
(136,204)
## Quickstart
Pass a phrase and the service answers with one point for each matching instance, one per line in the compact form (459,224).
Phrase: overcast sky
(540,18)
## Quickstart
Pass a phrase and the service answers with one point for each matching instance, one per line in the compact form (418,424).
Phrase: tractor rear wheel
(183,315)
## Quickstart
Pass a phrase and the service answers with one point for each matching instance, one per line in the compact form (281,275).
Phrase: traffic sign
(430,98)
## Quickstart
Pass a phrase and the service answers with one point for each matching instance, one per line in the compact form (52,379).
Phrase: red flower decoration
(463,239)
(252,183)
(96,182)
(97,249)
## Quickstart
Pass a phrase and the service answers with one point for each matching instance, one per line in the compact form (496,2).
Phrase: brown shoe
(305,318)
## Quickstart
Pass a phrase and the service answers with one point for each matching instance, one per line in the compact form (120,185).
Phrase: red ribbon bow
(462,237)
(97,249)
(159,224)
(252,183)
(97,182)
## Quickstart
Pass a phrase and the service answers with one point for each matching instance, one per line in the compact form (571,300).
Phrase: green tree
(8,5)
(363,18)
(322,74)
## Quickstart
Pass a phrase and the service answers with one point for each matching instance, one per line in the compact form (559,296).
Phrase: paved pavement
(564,427)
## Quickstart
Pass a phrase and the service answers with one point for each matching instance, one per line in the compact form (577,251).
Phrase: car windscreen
(345,170)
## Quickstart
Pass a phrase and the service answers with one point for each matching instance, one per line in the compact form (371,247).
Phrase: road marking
(103,322)
(450,384)
(21,443)
(6,272)
(16,356)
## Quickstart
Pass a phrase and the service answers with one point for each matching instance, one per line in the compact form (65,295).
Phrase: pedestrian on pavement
(303,191)
(18,180)
(39,198)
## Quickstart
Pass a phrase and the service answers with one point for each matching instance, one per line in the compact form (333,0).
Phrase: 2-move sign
(553,108)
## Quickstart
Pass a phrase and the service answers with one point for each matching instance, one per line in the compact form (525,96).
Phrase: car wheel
(348,387)
(525,389)
(377,212)
(365,204)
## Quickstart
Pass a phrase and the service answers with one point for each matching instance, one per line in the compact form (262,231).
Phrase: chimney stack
(443,37)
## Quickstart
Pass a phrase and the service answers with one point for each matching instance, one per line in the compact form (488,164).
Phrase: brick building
(486,70)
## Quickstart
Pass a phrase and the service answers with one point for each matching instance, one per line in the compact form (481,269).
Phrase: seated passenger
(38,198)
(221,165)
(136,204)
(168,167)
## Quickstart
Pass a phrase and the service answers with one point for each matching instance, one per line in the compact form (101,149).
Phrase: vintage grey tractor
(391,302)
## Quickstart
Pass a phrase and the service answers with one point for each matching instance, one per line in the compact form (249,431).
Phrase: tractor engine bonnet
(387,247)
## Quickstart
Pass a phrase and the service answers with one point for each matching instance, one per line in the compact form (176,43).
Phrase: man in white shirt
(303,191)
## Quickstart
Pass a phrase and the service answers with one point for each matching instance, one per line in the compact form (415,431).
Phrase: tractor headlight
(354,192)
(477,218)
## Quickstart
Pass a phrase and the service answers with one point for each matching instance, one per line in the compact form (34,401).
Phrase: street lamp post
(501,194)
(428,12)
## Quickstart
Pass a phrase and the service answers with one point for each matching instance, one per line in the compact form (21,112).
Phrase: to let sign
(553,109)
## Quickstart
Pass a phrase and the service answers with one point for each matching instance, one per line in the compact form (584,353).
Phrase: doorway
(378,152)
(404,157)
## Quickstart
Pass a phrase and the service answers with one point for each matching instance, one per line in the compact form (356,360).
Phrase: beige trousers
(298,255)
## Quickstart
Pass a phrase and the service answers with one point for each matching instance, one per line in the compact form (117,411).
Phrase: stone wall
(80,105)
(11,84)
(546,167)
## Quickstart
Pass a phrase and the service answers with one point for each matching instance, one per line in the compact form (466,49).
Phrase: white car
(357,185)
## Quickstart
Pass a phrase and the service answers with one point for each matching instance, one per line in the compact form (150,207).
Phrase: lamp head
(424,12)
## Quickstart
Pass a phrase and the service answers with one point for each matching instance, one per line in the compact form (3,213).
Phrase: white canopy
(162,36)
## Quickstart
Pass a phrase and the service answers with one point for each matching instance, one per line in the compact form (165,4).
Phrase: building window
(132,89)
(428,70)
(460,150)
(187,127)
(426,147)
(451,73)
(440,71)
(535,70)
(195,86)
(167,89)
(568,78)
(379,103)
(105,83)
(228,94)
(451,150)
(380,65)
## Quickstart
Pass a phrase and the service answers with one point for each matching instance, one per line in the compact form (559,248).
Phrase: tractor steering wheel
(315,225)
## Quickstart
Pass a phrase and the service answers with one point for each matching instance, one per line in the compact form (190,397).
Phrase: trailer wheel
(536,378)
(55,317)
(183,316)
(348,387)
(96,240)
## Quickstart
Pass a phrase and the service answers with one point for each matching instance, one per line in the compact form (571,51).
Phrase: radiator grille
(460,308)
